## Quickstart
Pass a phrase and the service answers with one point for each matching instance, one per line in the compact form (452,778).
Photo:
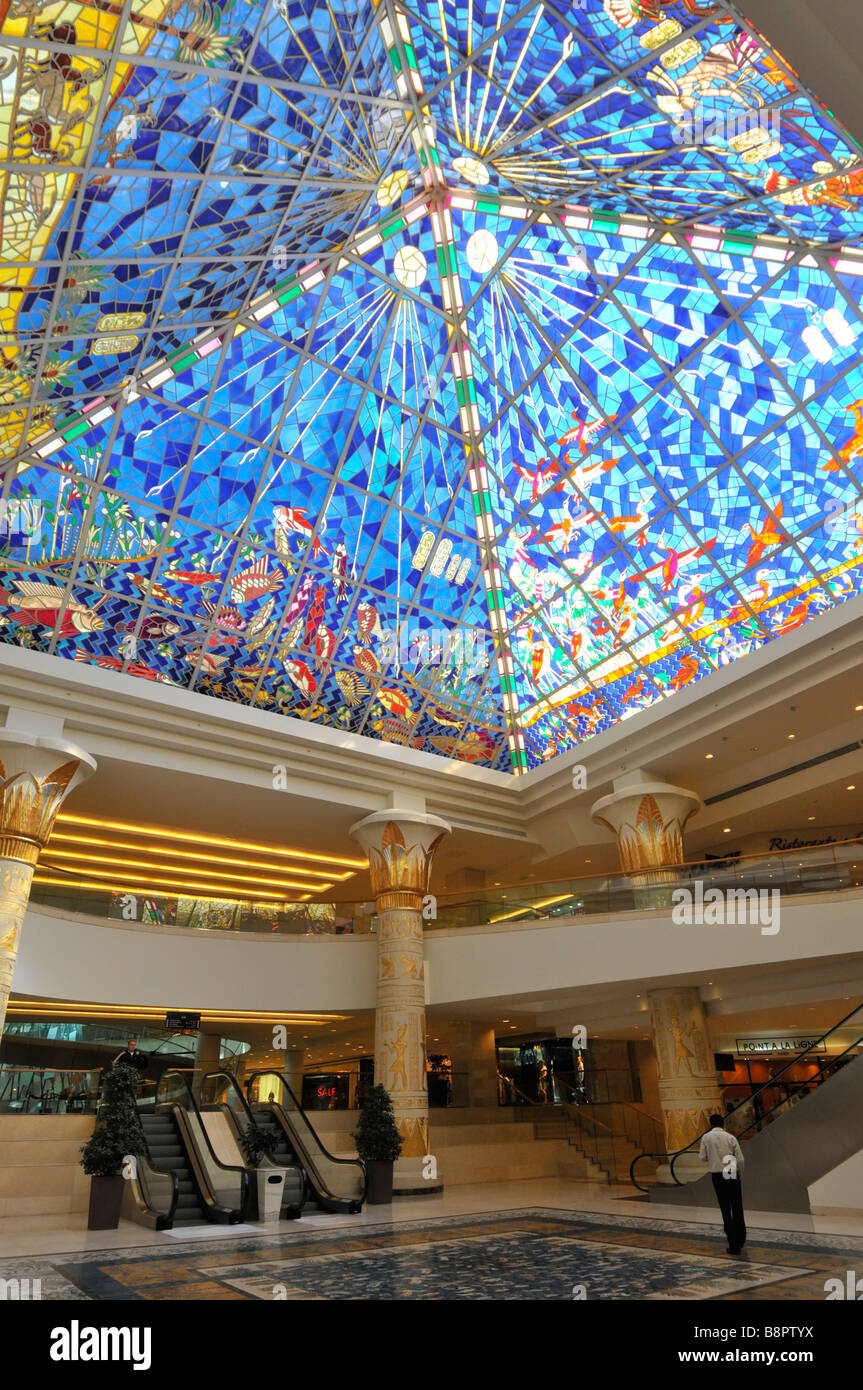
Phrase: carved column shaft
(400,1011)
(400,847)
(688,1085)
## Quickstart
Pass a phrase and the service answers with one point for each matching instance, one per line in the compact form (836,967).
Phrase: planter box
(380,1191)
(106,1197)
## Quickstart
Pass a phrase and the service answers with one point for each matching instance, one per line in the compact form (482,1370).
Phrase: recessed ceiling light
(708,755)
(850,787)
(792,735)
(810,817)
(858,707)
(726,830)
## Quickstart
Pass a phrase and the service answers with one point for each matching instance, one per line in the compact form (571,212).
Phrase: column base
(408,1180)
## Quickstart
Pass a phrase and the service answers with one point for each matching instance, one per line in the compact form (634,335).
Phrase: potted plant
(378,1144)
(117,1135)
(258,1143)
(258,1146)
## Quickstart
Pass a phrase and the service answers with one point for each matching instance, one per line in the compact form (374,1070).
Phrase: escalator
(166,1152)
(334,1184)
(180,1180)
(220,1093)
(787,1145)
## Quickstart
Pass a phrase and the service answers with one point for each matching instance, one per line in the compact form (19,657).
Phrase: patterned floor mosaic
(534,1254)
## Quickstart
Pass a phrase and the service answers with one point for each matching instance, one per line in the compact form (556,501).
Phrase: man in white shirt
(722,1151)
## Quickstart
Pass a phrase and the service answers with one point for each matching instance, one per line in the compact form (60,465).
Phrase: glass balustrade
(825,869)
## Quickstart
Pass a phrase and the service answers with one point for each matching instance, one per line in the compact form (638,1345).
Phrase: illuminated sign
(182,1020)
(749,1047)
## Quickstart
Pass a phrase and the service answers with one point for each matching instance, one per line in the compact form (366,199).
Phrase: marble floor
(545,1240)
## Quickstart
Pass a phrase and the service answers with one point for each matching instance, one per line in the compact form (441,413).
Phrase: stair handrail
(526,1098)
(755,1125)
(642,1116)
(245,1181)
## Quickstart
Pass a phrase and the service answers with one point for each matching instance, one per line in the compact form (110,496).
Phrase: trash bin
(271,1184)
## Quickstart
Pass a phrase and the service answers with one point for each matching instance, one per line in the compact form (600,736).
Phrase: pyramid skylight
(468,376)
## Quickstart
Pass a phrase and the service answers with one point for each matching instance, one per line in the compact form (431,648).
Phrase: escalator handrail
(673,1155)
(159,1172)
(309,1127)
(247,1110)
(245,1183)
(318,1183)
(334,1158)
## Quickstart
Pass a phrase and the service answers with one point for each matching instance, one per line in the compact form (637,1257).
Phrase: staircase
(610,1153)
(165,1150)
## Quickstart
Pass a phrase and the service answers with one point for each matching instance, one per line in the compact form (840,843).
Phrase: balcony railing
(48,1090)
(825,869)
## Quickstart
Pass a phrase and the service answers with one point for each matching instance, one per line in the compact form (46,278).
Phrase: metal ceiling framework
(470,369)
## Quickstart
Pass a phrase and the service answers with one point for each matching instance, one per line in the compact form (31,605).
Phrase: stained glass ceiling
(468,376)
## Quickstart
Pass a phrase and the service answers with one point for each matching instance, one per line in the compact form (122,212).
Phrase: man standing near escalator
(723,1153)
(132,1057)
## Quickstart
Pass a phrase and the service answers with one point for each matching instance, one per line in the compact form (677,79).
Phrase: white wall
(63,957)
(841,1190)
(475,963)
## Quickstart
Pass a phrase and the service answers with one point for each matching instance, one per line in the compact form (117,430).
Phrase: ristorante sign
(748,1047)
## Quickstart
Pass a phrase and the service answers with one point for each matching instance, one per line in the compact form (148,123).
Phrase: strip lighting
(158,832)
(229,879)
(53,1008)
(172,886)
(181,854)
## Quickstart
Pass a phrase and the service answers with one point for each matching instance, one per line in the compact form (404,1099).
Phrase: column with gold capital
(647,817)
(400,846)
(36,775)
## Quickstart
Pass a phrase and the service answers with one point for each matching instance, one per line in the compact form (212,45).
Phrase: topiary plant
(258,1143)
(118,1129)
(378,1139)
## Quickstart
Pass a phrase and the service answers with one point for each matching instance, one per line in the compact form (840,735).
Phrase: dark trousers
(729,1194)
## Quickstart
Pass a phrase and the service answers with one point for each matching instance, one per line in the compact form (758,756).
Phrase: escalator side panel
(323,1197)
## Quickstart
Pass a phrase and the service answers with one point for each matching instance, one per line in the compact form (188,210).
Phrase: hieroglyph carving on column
(686,1073)
(36,775)
(400,848)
